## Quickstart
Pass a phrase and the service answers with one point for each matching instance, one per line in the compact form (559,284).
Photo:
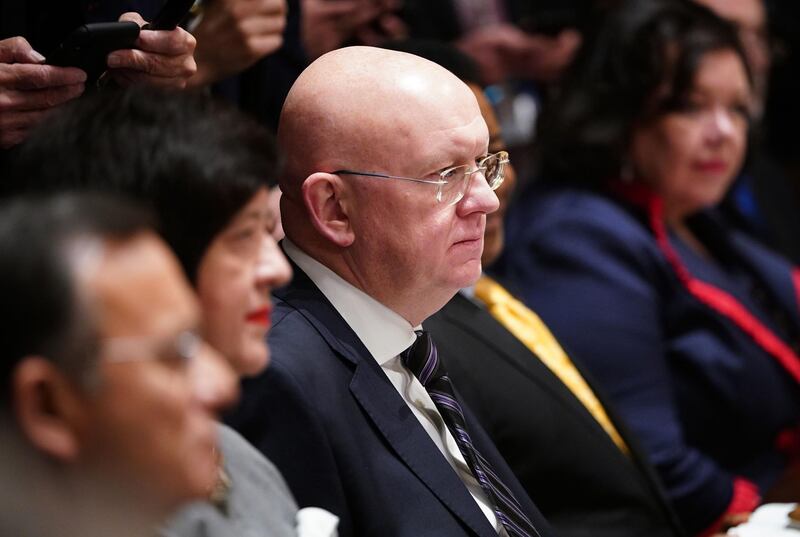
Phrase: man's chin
(467,274)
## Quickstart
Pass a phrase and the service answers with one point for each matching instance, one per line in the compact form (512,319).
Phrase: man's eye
(245,234)
(741,109)
(450,174)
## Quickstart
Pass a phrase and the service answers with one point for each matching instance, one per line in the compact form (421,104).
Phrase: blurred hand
(546,58)
(29,89)
(161,58)
(386,25)
(235,34)
(503,50)
(731,521)
(328,24)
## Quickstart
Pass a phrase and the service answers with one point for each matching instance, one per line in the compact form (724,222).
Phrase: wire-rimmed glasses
(453,182)
(180,350)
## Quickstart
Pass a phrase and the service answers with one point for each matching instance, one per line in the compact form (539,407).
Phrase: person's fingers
(18,50)
(25,76)
(266,44)
(14,127)
(364,15)
(263,26)
(170,43)
(127,77)
(270,7)
(337,9)
(159,65)
(9,139)
(14,100)
(133,17)
(21,120)
(512,40)
(393,26)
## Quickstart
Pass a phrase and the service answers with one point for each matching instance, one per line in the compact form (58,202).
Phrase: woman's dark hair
(196,162)
(642,49)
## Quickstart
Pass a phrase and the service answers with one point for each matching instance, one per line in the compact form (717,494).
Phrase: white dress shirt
(386,334)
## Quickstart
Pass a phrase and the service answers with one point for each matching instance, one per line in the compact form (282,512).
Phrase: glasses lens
(187,345)
(494,168)
(455,179)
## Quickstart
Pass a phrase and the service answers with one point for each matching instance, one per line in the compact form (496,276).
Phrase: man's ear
(47,408)
(322,197)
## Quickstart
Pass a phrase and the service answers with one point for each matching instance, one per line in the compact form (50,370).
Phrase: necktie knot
(422,359)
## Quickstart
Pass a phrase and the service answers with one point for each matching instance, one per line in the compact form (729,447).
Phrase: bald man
(385,194)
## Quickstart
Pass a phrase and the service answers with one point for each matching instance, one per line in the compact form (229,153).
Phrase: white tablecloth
(770,520)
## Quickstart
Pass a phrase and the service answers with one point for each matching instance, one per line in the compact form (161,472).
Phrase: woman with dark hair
(205,170)
(690,327)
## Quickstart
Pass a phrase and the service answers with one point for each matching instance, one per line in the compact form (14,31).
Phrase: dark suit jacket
(578,477)
(705,400)
(327,416)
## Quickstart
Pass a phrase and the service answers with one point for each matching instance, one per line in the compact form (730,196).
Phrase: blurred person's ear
(328,209)
(47,408)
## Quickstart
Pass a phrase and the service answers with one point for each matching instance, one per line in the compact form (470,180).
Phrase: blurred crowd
(524,268)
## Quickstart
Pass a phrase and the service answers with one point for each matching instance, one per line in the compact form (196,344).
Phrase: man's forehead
(360,100)
(440,148)
(138,289)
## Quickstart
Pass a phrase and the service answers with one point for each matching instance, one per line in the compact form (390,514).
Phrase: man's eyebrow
(453,162)
(257,214)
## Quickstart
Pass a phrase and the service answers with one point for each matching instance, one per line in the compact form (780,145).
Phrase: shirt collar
(383,332)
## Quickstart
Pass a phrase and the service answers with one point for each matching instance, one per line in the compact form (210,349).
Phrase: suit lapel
(411,443)
(479,323)
(384,406)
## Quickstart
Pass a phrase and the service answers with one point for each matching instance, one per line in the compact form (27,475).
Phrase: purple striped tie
(423,360)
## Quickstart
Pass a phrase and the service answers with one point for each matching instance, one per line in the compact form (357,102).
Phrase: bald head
(373,111)
(353,105)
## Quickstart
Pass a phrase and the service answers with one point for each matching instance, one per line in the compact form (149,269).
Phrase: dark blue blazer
(328,417)
(705,400)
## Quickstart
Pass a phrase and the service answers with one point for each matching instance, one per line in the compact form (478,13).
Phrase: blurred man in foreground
(106,431)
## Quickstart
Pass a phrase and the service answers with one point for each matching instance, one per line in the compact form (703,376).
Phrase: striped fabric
(423,361)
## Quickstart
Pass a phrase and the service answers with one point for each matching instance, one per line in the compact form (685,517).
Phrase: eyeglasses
(453,182)
(182,349)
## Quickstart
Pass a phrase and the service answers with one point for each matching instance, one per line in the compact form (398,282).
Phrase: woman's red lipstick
(712,166)
(260,316)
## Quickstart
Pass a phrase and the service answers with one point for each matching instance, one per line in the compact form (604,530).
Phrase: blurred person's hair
(641,65)
(550,17)
(195,161)
(43,312)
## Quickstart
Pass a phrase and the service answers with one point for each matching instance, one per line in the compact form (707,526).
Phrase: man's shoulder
(458,315)
(246,465)
(296,336)
(257,497)
(285,310)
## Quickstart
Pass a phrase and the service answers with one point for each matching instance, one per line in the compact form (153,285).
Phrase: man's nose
(479,196)
(214,383)
(721,125)
(273,269)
